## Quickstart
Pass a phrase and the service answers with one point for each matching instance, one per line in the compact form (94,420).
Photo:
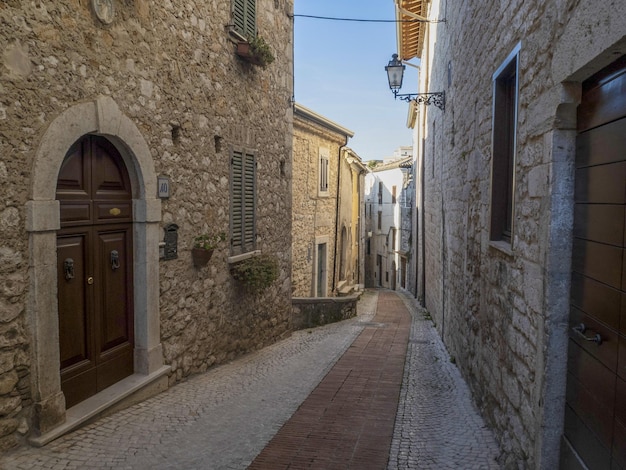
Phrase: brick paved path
(347,421)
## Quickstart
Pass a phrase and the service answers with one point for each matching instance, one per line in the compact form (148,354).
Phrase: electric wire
(364,20)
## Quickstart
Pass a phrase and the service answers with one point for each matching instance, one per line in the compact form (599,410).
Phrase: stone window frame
(504,147)
(102,117)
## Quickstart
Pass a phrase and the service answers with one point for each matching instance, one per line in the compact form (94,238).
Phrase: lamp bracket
(438,99)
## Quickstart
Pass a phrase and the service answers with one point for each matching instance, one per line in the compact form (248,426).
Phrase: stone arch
(103,117)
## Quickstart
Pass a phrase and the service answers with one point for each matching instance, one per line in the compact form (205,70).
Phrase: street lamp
(395,73)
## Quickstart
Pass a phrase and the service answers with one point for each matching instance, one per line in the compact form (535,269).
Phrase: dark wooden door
(94,264)
(595,416)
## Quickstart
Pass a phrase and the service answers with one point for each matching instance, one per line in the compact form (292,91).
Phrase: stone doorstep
(98,404)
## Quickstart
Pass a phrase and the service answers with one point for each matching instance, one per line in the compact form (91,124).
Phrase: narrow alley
(324,398)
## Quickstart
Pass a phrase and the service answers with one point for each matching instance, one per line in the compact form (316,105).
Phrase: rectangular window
(323,171)
(244,17)
(243,202)
(393,194)
(380,192)
(393,238)
(380,220)
(505,98)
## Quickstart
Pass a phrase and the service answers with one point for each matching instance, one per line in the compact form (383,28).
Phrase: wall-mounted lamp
(395,73)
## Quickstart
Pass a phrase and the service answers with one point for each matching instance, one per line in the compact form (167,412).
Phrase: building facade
(129,129)
(327,208)
(389,193)
(521,216)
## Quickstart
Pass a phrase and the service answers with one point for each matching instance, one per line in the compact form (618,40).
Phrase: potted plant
(256,51)
(203,246)
(256,273)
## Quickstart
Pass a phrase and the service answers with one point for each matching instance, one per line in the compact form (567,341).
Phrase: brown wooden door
(94,263)
(595,415)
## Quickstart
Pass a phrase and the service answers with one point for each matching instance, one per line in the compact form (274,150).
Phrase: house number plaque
(104,10)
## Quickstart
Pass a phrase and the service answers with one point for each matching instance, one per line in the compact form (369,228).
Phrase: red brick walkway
(347,421)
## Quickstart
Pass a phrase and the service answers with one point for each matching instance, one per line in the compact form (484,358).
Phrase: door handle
(115,260)
(580,331)
(68,268)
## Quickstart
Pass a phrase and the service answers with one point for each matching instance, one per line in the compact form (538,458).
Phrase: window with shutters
(244,17)
(243,202)
(323,171)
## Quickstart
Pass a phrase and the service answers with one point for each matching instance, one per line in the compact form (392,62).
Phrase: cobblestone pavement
(223,419)
(437,424)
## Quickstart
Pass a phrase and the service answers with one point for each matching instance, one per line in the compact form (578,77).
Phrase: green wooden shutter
(243,202)
(244,17)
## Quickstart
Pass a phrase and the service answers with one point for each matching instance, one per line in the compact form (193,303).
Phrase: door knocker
(68,268)
(115,260)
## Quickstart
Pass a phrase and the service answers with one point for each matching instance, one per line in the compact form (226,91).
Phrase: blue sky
(340,74)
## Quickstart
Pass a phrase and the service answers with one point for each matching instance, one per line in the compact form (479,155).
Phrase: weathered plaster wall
(502,311)
(171,68)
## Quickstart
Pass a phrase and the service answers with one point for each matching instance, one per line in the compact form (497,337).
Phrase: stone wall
(312,312)
(171,68)
(502,309)
(314,215)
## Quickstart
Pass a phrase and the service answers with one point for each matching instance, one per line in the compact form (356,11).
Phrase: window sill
(236,37)
(242,256)
(502,246)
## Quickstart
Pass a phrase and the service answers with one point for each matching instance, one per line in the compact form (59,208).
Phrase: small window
(323,171)
(380,192)
(393,194)
(393,238)
(505,99)
(244,17)
(243,202)
(380,220)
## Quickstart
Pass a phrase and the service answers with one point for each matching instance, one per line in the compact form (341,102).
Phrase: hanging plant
(203,247)
(256,273)
(256,51)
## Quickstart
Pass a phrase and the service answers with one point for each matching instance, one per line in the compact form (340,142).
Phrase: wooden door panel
(602,184)
(596,299)
(591,393)
(585,442)
(607,351)
(74,342)
(110,179)
(605,144)
(604,97)
(600,223)
(621,362)
(598,261)
(619,432)
(116,302)
(113,211)
(74,180)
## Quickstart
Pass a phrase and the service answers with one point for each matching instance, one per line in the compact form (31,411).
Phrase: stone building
(521,216)
(327,208)
(389,194)
(126,126)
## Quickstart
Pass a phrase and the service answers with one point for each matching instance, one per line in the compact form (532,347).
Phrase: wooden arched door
(94,266)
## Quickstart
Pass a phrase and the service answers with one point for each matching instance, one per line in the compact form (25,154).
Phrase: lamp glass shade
(395,72)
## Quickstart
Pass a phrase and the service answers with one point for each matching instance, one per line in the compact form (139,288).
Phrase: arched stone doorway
(99,117)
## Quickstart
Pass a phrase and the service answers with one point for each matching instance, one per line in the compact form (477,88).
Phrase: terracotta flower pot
(200,256)
(243,51)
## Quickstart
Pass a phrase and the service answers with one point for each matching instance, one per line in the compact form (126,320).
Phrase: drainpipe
(337,213)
